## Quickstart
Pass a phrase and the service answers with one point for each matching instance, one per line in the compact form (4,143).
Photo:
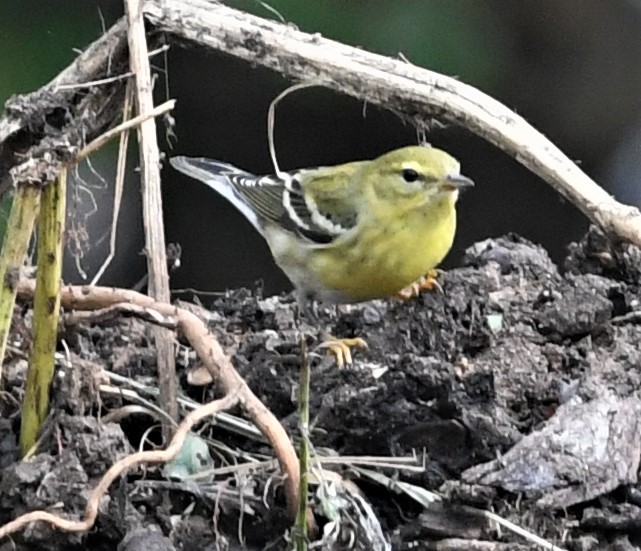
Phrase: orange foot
(427,282)
(341,349)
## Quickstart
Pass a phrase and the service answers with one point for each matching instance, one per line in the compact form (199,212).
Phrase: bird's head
(416,175)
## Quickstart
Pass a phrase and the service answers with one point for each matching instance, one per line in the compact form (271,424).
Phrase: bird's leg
(307,310)
(339,348)
(428,282)
(301,310)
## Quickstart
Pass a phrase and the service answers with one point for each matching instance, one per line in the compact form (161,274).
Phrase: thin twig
(210,353)
(99,82)
(271,116)
(155,456)
(117,415)
(103,139)
(299,533)
(155,247)
(414,92)
(533,538)
(107,80)
(89,113)
(119,184)
(117,310)
(226,421)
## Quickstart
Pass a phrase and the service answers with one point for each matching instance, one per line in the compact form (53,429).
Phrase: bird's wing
(218,176)
(285,199)
(320,202)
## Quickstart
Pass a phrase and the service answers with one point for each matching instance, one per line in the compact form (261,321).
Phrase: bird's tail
(218,176)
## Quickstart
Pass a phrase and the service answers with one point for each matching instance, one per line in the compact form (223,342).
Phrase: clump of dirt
(518,384)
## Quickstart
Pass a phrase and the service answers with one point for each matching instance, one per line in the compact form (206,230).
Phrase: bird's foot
(428,282)
(341,348)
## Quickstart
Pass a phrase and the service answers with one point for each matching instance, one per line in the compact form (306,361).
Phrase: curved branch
(416,93)
(207,349)
(154,456)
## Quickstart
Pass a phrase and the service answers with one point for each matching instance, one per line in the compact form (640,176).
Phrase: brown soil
(517,386)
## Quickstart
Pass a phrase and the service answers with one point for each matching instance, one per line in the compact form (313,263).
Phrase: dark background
(572,68)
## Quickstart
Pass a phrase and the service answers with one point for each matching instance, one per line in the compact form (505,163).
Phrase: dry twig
(127,124)
(119,183)
(152,205)
(416,93)
(154,456)
(209,352)
(24,133)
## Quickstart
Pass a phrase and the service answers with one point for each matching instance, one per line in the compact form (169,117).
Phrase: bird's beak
(455,182)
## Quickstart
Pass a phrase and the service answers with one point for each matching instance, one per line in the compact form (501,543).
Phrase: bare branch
(119,183)
(416,93)
(28,128)
(128,124)
(118,310)
(154,456)
(152,206)
(208,350)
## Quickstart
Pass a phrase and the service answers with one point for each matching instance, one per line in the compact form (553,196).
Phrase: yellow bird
(351,232)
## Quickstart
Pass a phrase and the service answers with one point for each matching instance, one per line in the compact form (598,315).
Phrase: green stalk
(46,311)
(299,534)
(22,217)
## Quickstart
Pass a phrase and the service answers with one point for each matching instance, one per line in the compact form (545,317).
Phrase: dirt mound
(517,386)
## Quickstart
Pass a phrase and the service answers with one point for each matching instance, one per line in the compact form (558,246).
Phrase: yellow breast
(385,256)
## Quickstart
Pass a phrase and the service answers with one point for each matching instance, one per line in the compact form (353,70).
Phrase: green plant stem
(46,311)
(22,217)
(300,537)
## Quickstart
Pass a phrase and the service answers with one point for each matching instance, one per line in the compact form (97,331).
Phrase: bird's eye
(410,175)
